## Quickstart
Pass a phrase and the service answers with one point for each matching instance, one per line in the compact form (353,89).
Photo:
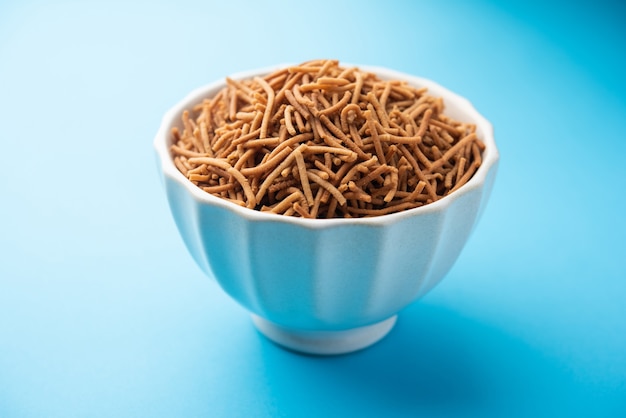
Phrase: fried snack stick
(318,140)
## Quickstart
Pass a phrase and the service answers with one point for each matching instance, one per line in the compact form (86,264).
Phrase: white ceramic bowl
(326,286)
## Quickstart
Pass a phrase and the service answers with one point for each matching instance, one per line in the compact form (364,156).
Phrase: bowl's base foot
(325,342)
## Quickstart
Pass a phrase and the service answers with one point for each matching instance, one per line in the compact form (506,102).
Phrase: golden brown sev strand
(317,140)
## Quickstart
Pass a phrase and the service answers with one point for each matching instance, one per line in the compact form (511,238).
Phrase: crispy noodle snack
(318,140)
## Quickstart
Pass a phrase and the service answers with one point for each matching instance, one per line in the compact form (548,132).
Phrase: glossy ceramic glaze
(326,286)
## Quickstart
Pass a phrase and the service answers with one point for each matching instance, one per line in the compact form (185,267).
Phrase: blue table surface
(103,313)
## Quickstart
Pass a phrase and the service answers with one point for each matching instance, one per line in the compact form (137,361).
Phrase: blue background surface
(103,313)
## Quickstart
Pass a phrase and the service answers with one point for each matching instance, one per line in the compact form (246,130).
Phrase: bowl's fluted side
(333,277)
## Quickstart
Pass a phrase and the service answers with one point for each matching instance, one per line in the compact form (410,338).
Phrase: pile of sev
(317,140)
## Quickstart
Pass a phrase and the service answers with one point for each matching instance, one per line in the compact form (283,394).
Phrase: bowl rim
(490,155)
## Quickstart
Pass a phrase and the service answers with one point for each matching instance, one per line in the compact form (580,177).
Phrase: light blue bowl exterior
(335,274)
